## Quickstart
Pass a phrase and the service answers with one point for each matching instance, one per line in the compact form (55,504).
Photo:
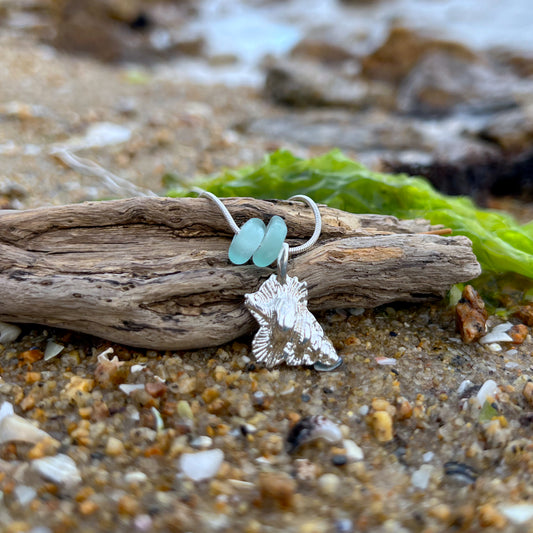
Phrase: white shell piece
(128,388)
(59,469)
(8,332)
(14,428)
(497,334)
(519,513)
(6,409)
(288,332)
(201,465)
(488,389)
(52,349)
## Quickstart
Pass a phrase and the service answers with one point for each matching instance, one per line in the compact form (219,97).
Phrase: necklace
(288,332)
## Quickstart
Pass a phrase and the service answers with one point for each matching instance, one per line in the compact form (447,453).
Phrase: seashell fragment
(311,428)
(60,469)
(14,428)
(288,332)
(201,465)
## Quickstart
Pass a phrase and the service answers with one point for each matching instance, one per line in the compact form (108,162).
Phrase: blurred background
(148,90)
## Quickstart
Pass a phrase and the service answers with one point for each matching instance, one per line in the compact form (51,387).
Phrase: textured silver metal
(288,332)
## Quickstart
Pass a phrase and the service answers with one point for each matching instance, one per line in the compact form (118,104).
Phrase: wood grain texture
(154,273)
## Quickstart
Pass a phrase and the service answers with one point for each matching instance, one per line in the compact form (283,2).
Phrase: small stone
(314,526)
(60,469)
(88,507)
(77,390)
(24,494)
(31,356)
(114,447)
(156,389)
(470,315)
(489,516)
(46,446)
(381,422)
(201,465)
(329,484)
(528,392)
(525,314)
(518,333)
(305,470)
(353,451)
(339,459)
(420,478)
(428,456)
(441,512)
(8,333)
(278,487)
(135,478)
(128,505)
(143,522)
(184,410)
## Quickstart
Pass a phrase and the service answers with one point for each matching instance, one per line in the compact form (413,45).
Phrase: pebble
(470,315)
(201,465)
(202,442)
(527,392)
(494,347)
(381,422)
(60,469)
(518,513)
(487,390)
(114,447)
(329,484)
(353,451)
(24,494)
(136,477)
(428,456)
(420,478)
(344,525)
(8,332)
(184,410)
(339,459)
(278,487)
(518,333)
(489,516)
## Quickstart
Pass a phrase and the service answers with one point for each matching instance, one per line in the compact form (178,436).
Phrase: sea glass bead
(270,247)
(246,242)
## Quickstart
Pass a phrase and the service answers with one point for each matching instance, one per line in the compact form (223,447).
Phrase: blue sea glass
(247,241)
(269,249)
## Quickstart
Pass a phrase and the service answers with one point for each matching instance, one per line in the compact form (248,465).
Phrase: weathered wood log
(154,273)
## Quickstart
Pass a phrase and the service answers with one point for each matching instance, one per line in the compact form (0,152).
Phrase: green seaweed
(499,242)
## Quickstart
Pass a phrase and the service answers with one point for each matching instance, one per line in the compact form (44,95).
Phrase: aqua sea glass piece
(246,242)
(269,249)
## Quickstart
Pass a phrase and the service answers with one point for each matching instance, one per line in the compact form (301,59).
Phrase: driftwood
(154,273)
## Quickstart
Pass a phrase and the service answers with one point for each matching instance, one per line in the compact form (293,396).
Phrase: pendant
(288,332)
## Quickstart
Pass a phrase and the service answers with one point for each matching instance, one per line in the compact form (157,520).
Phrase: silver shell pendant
(288,332)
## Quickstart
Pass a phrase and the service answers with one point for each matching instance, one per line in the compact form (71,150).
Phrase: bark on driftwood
(154,273)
